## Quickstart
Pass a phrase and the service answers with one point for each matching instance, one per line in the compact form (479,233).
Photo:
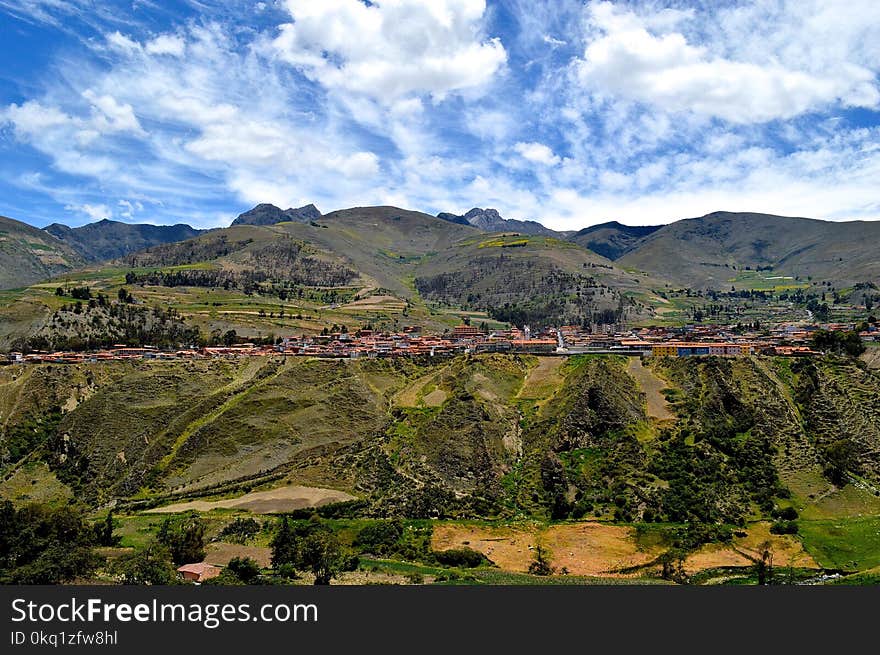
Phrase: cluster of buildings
(785,340)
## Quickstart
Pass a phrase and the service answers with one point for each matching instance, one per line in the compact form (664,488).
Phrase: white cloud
(166,44)
(358,165)
(128,209)
(343,108)
(491,124)
(665,70)
(537,153)
(94,212)
(108,115)
(31,118)
(551,41)
(121,42)
(391,48)
(223,119)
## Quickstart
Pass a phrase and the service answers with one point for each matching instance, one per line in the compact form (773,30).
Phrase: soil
(582,548)
(282,499)
(652,386)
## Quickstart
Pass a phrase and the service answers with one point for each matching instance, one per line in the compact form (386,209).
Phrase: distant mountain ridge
(268,214)
(105,239)
(707,252)
(612,239)
(489,220)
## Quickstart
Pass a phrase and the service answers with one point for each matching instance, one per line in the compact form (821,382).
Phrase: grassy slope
(28,254)
(387,247)
(702,252)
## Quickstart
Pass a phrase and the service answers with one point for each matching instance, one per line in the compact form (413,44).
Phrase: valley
(453,399)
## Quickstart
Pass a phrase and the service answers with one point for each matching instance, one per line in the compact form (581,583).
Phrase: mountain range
(389,245)
(266,214)
(489,220)
(106,240)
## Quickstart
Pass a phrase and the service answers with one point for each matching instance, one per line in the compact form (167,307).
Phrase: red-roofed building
(198,572)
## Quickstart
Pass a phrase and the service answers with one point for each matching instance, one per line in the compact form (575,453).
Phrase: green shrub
(379,537)
(460,557)
(241,530)
(784,527)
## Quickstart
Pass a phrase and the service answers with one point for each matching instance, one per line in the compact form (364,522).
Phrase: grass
(34,482)
(498,577)
(848,544)
(767,281)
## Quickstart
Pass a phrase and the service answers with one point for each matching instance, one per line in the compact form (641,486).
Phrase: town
(788,340)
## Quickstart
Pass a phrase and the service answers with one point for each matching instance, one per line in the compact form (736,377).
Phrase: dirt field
(583,548)
(377,302)
(282,499)
(597,549)
(652,386)
(409,397)
(787,551)
(435,399)
(219,553)
(543,380)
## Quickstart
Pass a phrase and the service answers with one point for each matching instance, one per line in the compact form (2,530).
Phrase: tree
(672,563)
(245,569)
(541,565)
(230,338)
(104,531)
(764,565)
(285,545)
(42,545)
(322,555)
(841,456)
(185,538)
(241,530)
(379,537)
(150,565)
(840,343)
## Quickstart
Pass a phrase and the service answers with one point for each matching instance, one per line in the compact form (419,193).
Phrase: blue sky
(567,112)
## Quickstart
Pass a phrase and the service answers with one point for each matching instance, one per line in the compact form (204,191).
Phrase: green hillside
(379,266)
(533,280)
(28,255)
(505,434)
(710,252)
(741,445)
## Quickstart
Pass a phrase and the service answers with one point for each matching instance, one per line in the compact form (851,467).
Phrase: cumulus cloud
(537,153)
(166,44)
(629,60)
(549,110)
(391,48)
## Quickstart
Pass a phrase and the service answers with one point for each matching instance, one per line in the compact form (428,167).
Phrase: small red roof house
(198,572)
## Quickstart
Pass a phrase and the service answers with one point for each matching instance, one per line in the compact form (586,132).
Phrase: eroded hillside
(491,435)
